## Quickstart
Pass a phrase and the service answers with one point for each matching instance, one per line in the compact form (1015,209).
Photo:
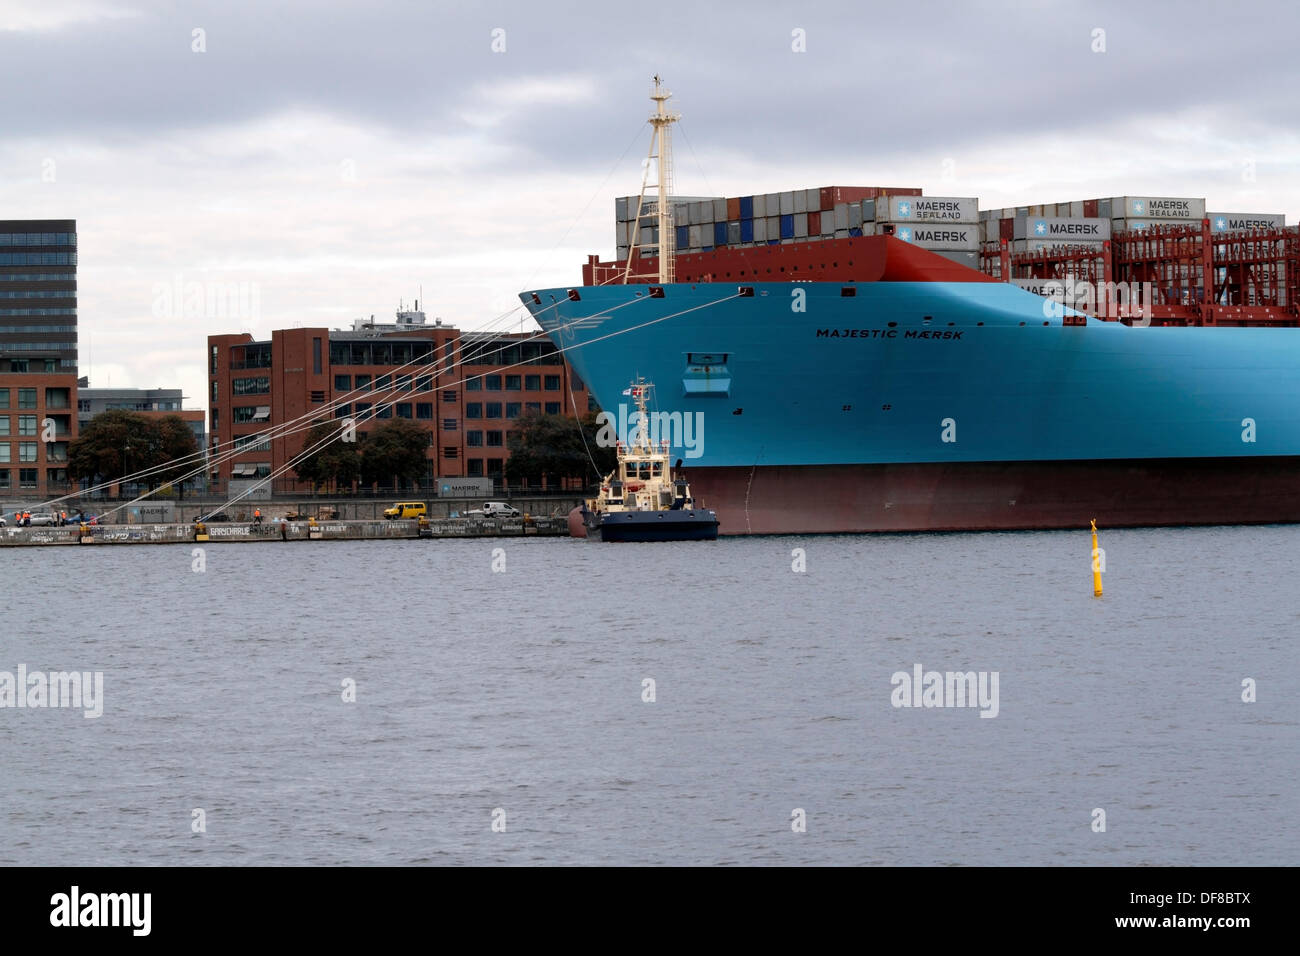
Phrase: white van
(495,509)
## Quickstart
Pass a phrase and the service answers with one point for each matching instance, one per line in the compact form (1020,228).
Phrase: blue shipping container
(746,207)
(719,233)
(683,233)
(746,227)
(855,232)
(787,227)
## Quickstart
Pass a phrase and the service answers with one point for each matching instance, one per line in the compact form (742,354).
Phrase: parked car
(406,509)
(495,509)
(44,519)
(219,516)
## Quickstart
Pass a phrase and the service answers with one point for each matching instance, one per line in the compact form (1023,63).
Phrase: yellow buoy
(1096,562)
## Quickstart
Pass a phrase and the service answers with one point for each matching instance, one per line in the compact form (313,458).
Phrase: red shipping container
(827,197)
(814,223)
(733,208)
(1006,229)
(1090,208)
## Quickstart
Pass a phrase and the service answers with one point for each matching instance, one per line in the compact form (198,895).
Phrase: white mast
(660,150)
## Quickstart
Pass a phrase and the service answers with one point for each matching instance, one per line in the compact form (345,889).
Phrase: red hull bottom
(999,496)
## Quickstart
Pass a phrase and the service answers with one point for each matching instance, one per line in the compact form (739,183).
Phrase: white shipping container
(1138,225)
(620,209)
(720,210)
(1059,229)
(773,227)
(1156,207)
(800,225)
(694,236)
(841,234)
(760,206)
(855,216)
(800,201)
(964,236)
(760,230)
(786,205)
(868,210)
(622,254)
(927,209)
(1038,245)
(1238,221)
(840,220)
(813,199)
(1076,209)
(969,259)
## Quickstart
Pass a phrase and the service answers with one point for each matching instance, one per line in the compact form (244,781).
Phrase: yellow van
(406,509)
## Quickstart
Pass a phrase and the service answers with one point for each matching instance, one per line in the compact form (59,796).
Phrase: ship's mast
(662,122)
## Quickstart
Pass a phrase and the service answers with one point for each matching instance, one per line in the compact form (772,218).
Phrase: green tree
(333,460)
(551,446)
(394,452)
(172,440)
(118,443)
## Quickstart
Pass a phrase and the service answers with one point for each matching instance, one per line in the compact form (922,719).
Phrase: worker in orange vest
(257,516)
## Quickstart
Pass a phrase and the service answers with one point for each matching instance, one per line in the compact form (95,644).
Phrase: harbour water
(506,682)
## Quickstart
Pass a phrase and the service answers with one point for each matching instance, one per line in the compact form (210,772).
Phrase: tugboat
(643,499)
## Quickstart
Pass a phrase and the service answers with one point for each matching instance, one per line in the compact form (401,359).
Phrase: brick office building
(38,355)
(468,411)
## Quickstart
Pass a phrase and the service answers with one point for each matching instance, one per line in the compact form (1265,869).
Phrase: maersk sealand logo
(1220,225)
(1139,207)
(905,234)
(1040,228)
(904,210)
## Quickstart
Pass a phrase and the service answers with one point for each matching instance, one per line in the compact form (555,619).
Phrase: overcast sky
(338,157)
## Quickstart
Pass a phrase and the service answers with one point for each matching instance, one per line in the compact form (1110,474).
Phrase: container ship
(868,359)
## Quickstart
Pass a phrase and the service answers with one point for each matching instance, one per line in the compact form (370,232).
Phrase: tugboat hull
(697,524)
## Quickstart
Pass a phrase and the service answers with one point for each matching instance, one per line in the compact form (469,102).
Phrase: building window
(216,420)
(493,383)
(4,398)
(214,392)
(404,382)
(403,409)
(4,479)
(552,408)
(495,440)
(4,424)
(512,409)
(18,365)
(258,385)
(243,414)
(449,424)
(424,410)
(26,398)
(474,439)
(27,425)
(474,384)
(317,396)
(424,383)
(512,383)
(473,410)
(212,365)
(448,396)
(6,452)
(363,411)
(474,467)
(363,383)
(533,383)
(27,451)
(315,356)
(493,410)
(448,451)
(533,408)
(552,383)
(343,411)
(494,467)
(384,411)
(27,478)
(342,383)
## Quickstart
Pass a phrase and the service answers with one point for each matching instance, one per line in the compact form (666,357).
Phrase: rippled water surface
(520,692)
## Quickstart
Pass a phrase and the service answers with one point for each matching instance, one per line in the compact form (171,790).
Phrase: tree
(394,451)
(118,443)
(333,460)
(551,446)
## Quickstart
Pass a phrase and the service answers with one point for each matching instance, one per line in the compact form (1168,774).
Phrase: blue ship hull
(900,386)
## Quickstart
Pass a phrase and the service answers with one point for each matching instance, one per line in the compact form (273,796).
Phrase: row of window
(24,366)
(39,294)
(260,385)
(493,383)
(38,238)
(38,277)
(38,311)
(26,451)
(512,409)
(474,467)
(381,352)
(26,397)
(26,477)
(38,258)
(26,425)
(243,414)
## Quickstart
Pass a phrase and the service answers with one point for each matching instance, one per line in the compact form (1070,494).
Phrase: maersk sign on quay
(865,384)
